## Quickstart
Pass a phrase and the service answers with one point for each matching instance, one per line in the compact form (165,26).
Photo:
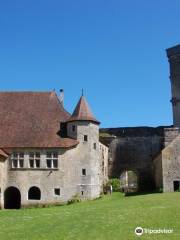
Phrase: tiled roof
(83,112)
(32,119)
(3,153)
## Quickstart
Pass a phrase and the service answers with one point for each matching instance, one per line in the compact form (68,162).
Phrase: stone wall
(171,165)
(3,179)
(45,179)
(89,155)
(174,62)
(134,149)
(158,171)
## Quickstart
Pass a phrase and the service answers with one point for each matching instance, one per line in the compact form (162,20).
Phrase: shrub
(178,190)
(42,205)
(74,199)
(115,182)
(159,190)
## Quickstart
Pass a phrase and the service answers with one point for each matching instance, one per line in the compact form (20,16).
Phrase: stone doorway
(12,198)
(176,186)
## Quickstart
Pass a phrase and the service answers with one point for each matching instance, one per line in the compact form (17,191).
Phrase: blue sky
(114,50)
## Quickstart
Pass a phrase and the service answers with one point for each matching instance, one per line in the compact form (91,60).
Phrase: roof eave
(84,120)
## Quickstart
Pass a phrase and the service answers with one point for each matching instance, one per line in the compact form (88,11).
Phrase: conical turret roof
(83,112)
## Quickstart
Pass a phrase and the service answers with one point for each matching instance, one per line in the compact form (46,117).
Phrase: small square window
(82,193)
(84,172)
(73,128)
(85,138)
(57,191)
(48,155)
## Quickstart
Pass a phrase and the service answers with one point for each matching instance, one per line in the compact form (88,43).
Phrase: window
(34,193)
(57,191)
(31,163)
(17,160)
(84,172)
(14,163)
(21,163)
(82,193)
(85,138)
(37,163)
(34,160)
(95,146)
(52,160)
(55,163)
(73,128)
(48,162)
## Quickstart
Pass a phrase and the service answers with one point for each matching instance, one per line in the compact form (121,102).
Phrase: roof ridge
(26,91)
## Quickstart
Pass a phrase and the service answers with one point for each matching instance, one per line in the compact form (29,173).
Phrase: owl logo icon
(139,231)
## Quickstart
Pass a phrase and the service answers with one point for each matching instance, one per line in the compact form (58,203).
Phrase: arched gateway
(129,181)
(12,198)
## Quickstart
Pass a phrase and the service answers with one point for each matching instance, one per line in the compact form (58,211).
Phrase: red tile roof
(3,154)
(32,119)
(83,112)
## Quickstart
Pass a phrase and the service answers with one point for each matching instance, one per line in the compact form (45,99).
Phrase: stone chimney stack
(173,55)
(61,97)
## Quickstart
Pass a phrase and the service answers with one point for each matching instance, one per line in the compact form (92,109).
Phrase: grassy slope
(109,218)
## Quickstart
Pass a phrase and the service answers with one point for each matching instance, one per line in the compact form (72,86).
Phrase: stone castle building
(47,155)
(152,153)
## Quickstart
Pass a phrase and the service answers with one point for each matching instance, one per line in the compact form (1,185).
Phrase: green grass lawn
(111,217)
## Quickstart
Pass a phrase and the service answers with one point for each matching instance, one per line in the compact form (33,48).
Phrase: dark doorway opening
(12,198)
(34,193)
(176,186)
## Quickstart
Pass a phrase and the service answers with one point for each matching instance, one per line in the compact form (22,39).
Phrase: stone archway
(12,198)
(129,181)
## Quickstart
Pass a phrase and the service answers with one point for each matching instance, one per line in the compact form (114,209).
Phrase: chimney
(61,97)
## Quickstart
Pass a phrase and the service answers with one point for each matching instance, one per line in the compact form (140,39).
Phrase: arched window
(34,193)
